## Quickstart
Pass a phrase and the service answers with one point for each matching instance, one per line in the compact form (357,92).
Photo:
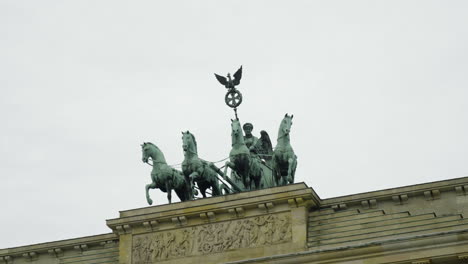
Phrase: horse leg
(293,171)
(278,177)
(258,175)
(147,187)
(189,187)
(169,191)
(192,177)
(254,185)
(276,172)
(259,180)
(292,163)
(202,187)
(253,181)
(216,190)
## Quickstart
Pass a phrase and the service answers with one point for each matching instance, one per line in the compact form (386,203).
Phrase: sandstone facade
(423,223)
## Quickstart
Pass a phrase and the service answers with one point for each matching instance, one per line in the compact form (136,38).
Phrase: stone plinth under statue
(217,229)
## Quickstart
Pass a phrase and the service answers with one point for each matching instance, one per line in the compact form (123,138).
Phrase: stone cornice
(56,247)
(431,190)
(410,243)
(209,209)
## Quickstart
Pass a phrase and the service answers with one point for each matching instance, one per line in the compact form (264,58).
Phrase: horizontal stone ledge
(243,197)
(405,243)
(439,187)
(232,208)
(227,214)
(62,245)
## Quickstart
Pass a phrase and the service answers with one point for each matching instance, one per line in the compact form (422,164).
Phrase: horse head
(236,132)
(235,127)
(145,152)
(150,150)
(189,143)
(285,126)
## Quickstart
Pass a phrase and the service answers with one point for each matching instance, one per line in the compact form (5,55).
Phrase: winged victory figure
(228,82)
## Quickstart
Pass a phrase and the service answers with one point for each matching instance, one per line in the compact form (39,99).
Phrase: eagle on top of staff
(228,82)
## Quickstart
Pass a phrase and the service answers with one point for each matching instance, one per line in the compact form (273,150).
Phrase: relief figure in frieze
(212,238)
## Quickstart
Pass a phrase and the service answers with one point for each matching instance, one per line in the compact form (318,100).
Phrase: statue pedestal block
(220,229)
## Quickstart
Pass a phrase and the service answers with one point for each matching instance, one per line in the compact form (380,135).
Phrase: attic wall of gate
(425,223)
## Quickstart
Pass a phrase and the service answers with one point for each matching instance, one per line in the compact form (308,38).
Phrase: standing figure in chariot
(249,139)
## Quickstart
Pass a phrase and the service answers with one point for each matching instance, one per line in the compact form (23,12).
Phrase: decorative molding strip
(151,225)
(432,195)
(109,243)
(208,217)
(338,207)
(55,252)
(30,256)
(400,199)
(232,212)
(123,229)
(237,212)
(411,190)
(6,259)
(179,220)
(369,204)
(301,202)
(81,248)
(230,206)
(54,247)
(266,207)
(240,212)
(461,190)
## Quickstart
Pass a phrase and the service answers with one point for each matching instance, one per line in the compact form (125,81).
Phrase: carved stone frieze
(212,238)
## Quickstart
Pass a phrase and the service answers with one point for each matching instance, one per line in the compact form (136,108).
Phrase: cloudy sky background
(378,90)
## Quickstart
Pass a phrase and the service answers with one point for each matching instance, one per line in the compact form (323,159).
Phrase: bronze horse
(196,169)
(163,177)
(245,164)
(284,159)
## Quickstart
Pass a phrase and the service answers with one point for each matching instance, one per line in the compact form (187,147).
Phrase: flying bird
(228,82)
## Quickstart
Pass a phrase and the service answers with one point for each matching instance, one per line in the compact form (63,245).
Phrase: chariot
(247,168)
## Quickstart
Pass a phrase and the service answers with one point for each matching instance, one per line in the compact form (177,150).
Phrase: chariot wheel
(233,98)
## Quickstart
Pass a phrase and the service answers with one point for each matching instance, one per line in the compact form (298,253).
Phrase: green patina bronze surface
(249,139)
(163,176)
(233,97)
(196,169)
(242,162)
(253,162)
(284,159)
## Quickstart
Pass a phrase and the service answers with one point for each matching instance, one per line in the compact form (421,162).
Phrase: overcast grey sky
(378,90)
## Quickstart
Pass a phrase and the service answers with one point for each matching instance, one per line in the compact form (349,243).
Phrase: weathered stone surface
(78,250)
(424,223)
(218,229)
(251,232)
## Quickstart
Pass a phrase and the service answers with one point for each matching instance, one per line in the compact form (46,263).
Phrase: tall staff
(233,97)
